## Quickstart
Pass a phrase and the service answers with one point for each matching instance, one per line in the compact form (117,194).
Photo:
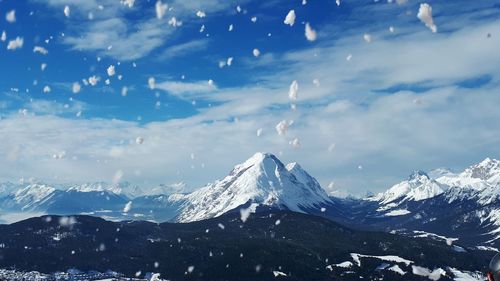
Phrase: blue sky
(367,113)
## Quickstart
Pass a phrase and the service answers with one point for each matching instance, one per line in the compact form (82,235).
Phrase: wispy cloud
(188,90)
(183,49)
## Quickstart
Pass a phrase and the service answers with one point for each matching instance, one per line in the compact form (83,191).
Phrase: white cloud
(183,49)
(187,90)
(425,15)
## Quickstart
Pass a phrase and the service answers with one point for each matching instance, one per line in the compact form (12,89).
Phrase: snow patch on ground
(423,234)
(398,212)
(435,274)
(397,269)
(357,259)
(466,275)
(346,264)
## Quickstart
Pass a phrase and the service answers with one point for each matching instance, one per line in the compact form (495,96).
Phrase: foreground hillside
(266,246)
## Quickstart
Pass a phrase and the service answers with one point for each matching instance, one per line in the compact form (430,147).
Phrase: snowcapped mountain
(33,194)
(261,180)
(464,205)
(123,188)
(419,186)
(40,197)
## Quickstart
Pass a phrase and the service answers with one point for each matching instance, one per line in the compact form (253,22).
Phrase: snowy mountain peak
(262,161)
(123,188)
(418,176)
(33,193)
(262,179)
(485,169)
(440,172)
(419,186)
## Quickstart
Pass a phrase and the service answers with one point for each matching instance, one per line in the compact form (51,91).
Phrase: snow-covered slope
(33,194)
(481,181)
(465,204)
(263,180)
(419,186)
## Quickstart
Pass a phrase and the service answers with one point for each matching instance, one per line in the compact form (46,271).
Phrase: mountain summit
(263,180)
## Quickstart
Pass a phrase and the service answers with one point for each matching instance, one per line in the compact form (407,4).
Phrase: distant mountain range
(439,204)
(461,205)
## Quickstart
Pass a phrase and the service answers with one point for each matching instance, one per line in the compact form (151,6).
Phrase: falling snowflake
(127,207)
(282,127)
(201,14)
(256,52)
(295,143)
(310,33)
(161,9)
(129,3)
(367,37)
(11,16)
(290,18)
(67,11)
(425,15)
(152,83)
(93,80)
(15,44)
(294,90)
(174,22)
(41,50)
(111,70)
